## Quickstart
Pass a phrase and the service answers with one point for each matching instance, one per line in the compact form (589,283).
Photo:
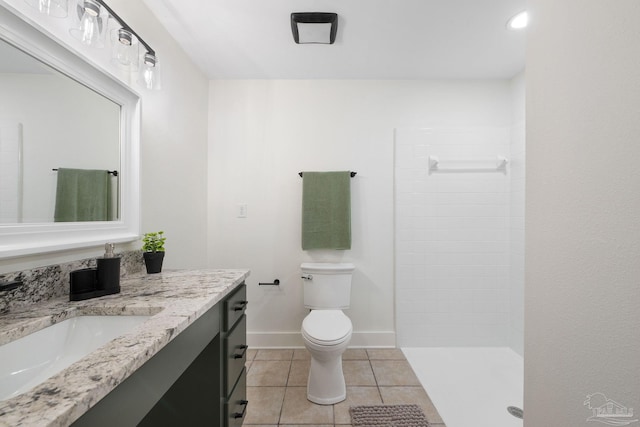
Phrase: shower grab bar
(497,164)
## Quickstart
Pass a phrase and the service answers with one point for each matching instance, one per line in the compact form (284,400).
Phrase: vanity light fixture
(518,21)
(314,27)
(91,19)
(57,8)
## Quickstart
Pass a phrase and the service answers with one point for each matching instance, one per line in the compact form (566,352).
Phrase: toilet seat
(326,327)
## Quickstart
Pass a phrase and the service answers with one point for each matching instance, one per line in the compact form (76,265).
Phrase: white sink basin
(32,359)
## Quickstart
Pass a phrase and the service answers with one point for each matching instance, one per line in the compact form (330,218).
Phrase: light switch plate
(242,211)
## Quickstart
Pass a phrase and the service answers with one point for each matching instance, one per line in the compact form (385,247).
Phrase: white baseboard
(294,340)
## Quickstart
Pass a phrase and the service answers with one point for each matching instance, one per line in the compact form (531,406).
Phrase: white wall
(583,199)
(262,133)
(516,215)
(173,142)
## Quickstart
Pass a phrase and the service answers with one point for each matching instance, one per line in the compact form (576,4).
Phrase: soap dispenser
(108,274)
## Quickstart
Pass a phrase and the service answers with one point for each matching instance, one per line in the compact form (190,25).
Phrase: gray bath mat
(388,416)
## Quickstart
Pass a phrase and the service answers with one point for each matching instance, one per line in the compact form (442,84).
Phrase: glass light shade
(125,48)
(57,8)
(149,75)
(91,27)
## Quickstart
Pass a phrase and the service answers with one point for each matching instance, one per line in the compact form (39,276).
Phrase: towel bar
(351,173)
(114,173)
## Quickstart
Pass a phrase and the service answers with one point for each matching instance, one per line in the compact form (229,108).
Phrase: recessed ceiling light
(518,21)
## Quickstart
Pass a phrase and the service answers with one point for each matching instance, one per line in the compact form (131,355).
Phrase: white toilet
(326,331)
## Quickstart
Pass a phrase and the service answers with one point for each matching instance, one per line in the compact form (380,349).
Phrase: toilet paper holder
(276,282)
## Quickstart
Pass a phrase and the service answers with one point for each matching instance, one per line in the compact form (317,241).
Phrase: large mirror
(68,147)
(50,123)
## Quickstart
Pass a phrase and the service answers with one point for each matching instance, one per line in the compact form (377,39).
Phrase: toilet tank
(327,285)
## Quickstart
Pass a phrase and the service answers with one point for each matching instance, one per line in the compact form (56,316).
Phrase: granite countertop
(174,299)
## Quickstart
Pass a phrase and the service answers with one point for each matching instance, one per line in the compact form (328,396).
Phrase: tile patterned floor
(277,380)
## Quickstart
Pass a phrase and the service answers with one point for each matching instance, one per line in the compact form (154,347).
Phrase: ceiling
(377,39)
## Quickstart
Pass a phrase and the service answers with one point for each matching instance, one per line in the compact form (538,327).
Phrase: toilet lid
(326,326)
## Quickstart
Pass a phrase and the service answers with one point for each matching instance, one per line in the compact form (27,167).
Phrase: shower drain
(515,411)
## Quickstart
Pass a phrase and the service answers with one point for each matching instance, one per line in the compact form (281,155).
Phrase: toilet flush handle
(307,277)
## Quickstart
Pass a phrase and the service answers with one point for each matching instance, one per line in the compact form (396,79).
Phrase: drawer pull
(244,409)
(240,305)
(240,355)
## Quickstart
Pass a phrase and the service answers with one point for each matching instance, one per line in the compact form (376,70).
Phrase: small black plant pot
(153,261)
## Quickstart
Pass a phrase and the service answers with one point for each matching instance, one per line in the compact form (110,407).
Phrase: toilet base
(326,385)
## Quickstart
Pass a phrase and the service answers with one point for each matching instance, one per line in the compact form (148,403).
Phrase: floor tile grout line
(286,386)
(374,376)
(284,396)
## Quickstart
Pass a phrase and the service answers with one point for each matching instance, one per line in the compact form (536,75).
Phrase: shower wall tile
(452,240)
(456,199)
(471,246)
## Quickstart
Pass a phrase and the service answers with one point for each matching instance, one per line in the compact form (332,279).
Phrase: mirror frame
(29,239)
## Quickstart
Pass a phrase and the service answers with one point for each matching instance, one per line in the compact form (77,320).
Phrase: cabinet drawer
(235,350)
(236,406)
(234,306)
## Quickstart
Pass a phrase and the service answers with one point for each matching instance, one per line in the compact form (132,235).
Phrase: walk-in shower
(459,262)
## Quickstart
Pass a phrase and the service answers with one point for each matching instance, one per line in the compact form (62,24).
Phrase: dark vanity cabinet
(198,379)
(234,344)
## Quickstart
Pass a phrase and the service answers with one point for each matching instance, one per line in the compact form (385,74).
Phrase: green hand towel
(83,195)
(326,210)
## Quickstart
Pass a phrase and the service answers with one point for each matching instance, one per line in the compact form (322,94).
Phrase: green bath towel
(326,210)
(83,195)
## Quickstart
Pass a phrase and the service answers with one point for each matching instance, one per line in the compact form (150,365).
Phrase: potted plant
(153,251)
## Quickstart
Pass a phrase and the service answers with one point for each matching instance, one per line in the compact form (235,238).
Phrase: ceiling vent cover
(314,27)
